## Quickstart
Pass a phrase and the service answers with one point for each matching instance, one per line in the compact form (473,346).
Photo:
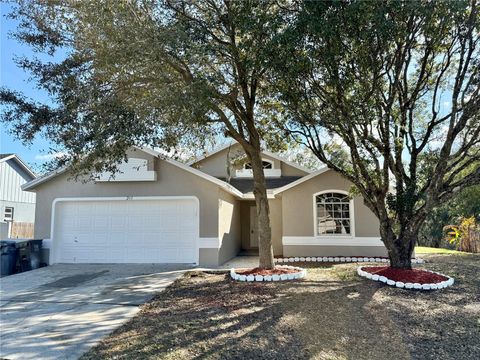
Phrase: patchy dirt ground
(332,314)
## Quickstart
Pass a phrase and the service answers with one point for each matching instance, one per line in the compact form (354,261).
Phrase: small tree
(150,73)
(465,235)
(387,94)
(465,204)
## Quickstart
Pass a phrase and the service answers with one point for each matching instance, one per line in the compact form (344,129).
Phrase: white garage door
(126,231)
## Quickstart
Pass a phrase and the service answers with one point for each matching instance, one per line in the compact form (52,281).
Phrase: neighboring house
(159,210)
(16,205)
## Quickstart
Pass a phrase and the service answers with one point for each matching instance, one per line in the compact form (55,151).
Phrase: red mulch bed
(406,276)
(259,271)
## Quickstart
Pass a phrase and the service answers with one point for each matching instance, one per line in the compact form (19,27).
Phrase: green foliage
(465,236)
(364,85)
(361,83)
(163,74)
(157,73)
(301,155)
(431,233)
(466,204)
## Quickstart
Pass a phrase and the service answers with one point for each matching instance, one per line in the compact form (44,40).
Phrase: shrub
(466,235)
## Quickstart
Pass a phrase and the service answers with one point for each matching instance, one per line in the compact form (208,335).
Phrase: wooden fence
(21,230)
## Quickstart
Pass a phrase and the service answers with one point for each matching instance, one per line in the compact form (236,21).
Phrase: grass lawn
(332,314)
(430,250)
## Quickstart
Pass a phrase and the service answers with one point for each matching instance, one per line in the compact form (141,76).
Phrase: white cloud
(49,157)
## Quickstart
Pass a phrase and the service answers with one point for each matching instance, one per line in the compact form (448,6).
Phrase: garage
(125,230)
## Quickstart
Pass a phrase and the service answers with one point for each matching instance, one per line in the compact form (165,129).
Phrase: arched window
(266,164)
(333,214)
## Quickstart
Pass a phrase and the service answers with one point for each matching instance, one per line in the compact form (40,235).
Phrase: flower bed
(416,279)
(338,259)
(280,273)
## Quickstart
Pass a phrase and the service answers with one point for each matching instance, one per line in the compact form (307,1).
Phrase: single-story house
(158,210)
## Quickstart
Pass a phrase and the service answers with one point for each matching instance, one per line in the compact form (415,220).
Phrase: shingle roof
(246,185)
(5,155)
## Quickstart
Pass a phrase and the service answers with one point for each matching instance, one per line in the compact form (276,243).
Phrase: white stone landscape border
(402,285)
(338,259)
(300,274)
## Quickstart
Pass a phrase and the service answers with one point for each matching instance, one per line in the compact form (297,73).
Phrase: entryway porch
(249,227)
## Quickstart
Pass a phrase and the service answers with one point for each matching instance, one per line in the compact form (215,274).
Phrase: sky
(14,78)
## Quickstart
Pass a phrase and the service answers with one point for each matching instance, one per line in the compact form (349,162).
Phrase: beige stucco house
(157,210)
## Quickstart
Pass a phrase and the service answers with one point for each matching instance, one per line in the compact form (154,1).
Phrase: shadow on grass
(212,317)
(209,316)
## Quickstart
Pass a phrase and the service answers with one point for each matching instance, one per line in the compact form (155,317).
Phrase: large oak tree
(388,95)
(154,73)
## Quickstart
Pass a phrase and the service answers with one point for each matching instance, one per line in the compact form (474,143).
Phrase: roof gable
(301,180)
(20,166)
(264,152)
(34,183)
(290,181)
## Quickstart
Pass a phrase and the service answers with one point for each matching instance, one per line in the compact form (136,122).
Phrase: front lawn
(419,250)
(332,314)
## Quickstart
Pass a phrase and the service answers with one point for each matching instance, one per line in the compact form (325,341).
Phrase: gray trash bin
(35,248)
(23,254)
(9,254)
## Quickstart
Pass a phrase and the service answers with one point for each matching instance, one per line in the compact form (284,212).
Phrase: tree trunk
(400,248)
(265,249)
(401,256)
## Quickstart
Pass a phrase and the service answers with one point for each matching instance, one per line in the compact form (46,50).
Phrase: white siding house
(15,204)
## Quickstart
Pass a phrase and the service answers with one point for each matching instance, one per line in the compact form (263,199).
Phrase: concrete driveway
(60,311)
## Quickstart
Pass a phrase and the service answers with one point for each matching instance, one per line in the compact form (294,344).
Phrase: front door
(253,227)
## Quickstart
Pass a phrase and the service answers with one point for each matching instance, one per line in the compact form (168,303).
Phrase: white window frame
(351,211)
(263,160)
(269,173)
(12,213)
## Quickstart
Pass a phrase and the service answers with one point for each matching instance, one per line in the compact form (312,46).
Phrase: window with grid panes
(333,214)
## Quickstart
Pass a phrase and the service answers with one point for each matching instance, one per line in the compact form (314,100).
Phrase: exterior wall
(224,219)
(208,257)
(288,170)
(3,230)
(12,177)
(216,164)
(220,220)
(171,181)
(22,212)
(299,200)
(298,230)
(229,230)
(275,224)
